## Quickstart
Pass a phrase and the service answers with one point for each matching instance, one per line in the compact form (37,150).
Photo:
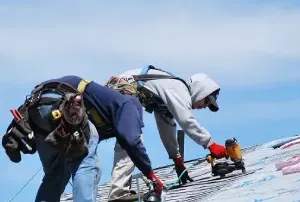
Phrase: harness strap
(148,77)
(148,100)
(59,87)
(98,119)
(144,76)
(146,69)
(82,85)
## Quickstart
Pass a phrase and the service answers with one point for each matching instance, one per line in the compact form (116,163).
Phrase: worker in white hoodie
(170,98)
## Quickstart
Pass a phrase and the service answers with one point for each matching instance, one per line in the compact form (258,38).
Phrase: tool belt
(153,103)
(67,129)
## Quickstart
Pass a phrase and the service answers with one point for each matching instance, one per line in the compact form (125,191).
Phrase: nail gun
(235,154)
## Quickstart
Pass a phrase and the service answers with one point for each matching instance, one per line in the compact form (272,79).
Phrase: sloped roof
(261,182)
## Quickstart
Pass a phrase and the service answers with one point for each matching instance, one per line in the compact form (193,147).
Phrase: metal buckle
(31,98)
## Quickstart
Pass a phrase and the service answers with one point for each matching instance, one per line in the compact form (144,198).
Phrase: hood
(201,86)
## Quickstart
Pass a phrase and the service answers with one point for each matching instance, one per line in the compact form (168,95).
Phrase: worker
(64,119)
(171,99)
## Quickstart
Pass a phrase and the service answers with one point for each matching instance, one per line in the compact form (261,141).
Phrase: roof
(261,182)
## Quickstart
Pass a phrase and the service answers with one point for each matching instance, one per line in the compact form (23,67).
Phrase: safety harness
(144,76)
(136,88)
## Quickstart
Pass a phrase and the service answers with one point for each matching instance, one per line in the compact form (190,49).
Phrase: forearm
(179,104)
(184,117)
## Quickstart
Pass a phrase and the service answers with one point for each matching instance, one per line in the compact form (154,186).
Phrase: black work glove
(13,143)
(180,167)
(12,149)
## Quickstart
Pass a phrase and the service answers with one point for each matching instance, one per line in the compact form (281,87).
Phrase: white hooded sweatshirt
(178,99)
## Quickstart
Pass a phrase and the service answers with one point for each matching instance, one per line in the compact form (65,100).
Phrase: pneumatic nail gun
(235,154)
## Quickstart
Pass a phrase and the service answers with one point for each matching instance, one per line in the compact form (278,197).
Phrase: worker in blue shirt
(69,116)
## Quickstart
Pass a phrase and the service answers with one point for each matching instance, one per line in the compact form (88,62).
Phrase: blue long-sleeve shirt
(125,114)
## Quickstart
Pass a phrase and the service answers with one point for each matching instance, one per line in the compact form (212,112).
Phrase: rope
(25,184)
(119,85)
(28,183)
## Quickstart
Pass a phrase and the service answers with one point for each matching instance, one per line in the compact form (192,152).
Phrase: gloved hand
(157,183)
(180,167)
(218,151)
(12,148)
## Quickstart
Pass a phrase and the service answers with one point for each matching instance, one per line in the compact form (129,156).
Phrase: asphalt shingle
(259,160)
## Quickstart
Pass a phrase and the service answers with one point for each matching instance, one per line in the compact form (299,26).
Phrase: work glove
(180,167)
(157,183)
(12,149)
(218,151)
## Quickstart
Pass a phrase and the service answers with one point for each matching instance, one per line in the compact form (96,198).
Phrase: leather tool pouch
(72,132)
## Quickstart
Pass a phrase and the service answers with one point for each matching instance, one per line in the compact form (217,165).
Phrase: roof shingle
(259,162)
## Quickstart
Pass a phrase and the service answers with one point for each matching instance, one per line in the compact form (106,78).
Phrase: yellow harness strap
(98,121)
(82,85)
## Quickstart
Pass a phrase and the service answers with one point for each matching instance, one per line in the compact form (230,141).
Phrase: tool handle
(21,121)
(26,145)
(16,114)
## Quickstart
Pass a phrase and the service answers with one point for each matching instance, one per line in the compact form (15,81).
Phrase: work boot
(132,196)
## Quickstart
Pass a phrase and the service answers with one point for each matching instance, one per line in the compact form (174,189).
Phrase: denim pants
(85,173)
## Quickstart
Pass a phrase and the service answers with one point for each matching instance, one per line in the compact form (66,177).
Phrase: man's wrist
(210,142)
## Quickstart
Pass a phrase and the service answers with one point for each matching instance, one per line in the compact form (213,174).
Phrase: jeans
(58,169)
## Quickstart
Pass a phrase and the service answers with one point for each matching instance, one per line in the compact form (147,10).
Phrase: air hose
(180,176)
(170,186)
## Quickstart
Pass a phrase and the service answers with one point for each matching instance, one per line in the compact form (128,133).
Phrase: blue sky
(251,48)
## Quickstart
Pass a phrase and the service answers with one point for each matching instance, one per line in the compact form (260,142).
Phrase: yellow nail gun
(234,152)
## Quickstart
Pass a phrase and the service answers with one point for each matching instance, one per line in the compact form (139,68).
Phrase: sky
(251,49)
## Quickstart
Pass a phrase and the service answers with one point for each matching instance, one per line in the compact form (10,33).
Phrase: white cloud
(236,48)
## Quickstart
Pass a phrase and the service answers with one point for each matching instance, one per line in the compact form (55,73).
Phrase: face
(201,104)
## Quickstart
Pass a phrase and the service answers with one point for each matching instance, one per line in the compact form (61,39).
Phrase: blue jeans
(58,170)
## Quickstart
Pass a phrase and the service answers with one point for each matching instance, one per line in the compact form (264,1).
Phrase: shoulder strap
(140,82)
(82,85)
(146,69)
(143,77)
(95,114)
(63,87)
